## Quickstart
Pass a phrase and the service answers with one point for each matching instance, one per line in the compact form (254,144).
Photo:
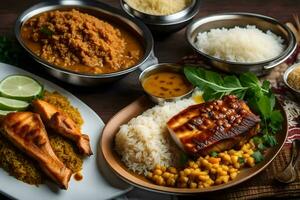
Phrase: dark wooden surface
(108,100)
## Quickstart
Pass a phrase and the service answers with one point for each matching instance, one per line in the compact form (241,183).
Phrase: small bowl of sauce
(291,79)
(165,82)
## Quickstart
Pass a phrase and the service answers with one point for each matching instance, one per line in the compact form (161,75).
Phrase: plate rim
(186,191)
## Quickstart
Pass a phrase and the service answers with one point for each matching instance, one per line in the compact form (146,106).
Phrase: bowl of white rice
(241,42)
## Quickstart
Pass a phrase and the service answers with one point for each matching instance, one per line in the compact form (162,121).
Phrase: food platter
(196,130)
(97,180)
(135,109)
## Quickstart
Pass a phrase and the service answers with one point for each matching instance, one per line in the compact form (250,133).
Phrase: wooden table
(108,100)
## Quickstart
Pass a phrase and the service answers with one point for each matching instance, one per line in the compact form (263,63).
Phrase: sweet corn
(250,161)
(158,172)
(233,175)
(205,171)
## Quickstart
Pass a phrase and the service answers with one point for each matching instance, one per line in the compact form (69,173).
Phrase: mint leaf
(276,120)
(261,146)
(264,106)
(258,157)
(213,77)
(213,154)
(210,94)
(266,85)
(269,140)
(249,79)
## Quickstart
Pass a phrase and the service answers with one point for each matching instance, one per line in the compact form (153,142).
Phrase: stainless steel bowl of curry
(83,43)
(165,82)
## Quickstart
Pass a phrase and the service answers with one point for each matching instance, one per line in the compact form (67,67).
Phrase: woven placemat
(264,185)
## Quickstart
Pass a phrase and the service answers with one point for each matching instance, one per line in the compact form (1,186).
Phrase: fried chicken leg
(26,130)
(62,124)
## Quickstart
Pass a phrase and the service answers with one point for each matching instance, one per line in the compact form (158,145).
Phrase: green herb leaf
(241,160)
(183,159)
(213,154)
(276,120)
(205,79)
(264,106)
(258,157)
(249,79)
(46,31)
(261,146)
(257,140)
(269,140)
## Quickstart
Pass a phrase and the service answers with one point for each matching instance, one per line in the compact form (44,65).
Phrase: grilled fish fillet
(213,126)
(62,124)
(27,132)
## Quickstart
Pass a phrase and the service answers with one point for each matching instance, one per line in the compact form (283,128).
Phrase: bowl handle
(152,60)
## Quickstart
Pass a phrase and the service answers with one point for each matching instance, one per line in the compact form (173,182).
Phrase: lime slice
(20,87)
(5,112)
(12,104)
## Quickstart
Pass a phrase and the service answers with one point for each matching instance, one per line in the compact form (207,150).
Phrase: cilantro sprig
(259,97)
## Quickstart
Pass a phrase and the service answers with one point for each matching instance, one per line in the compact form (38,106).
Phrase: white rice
(238,44)
(145,142)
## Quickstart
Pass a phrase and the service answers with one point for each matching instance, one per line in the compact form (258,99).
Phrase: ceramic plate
(135,109)
(94,184)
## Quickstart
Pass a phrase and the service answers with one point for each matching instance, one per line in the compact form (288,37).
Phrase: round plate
(139,106)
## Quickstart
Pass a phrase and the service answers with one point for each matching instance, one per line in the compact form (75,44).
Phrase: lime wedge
(20,87)
(12,104)
(5,112)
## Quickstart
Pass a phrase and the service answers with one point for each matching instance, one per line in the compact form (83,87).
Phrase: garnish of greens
(46,31)
(10,51)
(258,95)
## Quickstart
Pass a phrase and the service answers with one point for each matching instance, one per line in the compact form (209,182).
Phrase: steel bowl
(164,24)
(230,20)
(104,12)
(285,77)
(163,67)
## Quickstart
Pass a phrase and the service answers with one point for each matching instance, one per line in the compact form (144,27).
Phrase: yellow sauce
(166,85)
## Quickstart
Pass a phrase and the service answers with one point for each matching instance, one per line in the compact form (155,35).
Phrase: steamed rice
(238,44)
(144,141)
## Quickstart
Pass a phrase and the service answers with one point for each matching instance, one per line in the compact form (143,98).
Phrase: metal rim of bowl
(287,52)
(176,18)
(95,6)
(163,67)
(286,74)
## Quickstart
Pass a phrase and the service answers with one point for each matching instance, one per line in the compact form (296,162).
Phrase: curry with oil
(81,43)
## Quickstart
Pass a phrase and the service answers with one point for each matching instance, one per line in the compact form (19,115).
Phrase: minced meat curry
(80,42)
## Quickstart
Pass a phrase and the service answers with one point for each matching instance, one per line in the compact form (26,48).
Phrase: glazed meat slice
(62,124)
(27,132)
(213,126)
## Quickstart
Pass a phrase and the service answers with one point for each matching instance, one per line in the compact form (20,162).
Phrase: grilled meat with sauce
(213,126)
(27,132)
(62,124)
